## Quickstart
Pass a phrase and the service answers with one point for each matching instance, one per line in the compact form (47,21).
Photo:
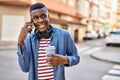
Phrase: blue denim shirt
(28,54)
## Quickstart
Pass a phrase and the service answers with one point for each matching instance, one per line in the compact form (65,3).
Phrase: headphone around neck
(46,34)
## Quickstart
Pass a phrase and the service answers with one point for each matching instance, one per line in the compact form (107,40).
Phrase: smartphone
(32,27)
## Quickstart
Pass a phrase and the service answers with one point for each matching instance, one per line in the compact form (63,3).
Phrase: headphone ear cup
(37,34)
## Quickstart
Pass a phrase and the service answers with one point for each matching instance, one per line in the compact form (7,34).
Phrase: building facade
(14,13)
(99,15)
(118,14)
(77,16)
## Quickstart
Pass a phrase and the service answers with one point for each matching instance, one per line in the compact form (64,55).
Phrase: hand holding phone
(27,28)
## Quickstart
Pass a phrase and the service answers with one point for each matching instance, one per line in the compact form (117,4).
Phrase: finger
(52,64)
(29,29)
(50,55)
(28,24)
(52,61)
(24,31)
(49,59)
(49,64)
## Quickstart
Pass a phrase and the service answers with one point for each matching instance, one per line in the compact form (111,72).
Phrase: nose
(40,19)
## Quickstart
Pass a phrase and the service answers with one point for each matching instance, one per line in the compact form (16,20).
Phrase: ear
(49,18)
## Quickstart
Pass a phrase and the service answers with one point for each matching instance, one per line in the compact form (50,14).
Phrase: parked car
(101,34)
(90,35)
(113,38)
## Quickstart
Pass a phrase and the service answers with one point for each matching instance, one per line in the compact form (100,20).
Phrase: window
(95,1)
(71,3)
(64,1)
(11,25)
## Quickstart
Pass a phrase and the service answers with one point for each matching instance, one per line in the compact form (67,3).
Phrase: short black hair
(37,6)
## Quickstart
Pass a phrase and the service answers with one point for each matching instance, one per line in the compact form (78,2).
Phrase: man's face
(40,19)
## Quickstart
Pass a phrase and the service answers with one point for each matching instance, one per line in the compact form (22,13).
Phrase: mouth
(42,26)
(41,23)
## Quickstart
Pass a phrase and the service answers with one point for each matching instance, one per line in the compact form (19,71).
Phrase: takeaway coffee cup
(50,50)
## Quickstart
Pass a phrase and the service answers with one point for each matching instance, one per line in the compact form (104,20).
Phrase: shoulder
(30,35)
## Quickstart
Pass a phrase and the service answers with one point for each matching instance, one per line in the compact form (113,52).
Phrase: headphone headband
(46,34)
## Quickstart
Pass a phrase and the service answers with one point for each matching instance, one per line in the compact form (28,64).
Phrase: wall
(12,18)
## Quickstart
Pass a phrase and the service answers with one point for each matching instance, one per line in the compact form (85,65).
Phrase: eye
(35,18)
(43,16)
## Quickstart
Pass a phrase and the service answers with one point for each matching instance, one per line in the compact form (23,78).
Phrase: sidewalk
(9,62)
(8,47)
(9,67)
(109,57)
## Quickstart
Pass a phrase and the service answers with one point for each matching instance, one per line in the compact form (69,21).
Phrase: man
(31,47)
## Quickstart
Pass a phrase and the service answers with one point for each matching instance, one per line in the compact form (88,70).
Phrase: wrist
(66,60)
(20,43)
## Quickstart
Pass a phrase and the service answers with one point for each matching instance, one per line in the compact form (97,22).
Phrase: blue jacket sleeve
(24,55)
(72,52)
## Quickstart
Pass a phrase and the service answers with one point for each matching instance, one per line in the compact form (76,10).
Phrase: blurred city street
(94,26)
(102,60)
(9,67)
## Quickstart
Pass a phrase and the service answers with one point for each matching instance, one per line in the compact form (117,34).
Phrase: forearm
(20,43)
(23,58)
